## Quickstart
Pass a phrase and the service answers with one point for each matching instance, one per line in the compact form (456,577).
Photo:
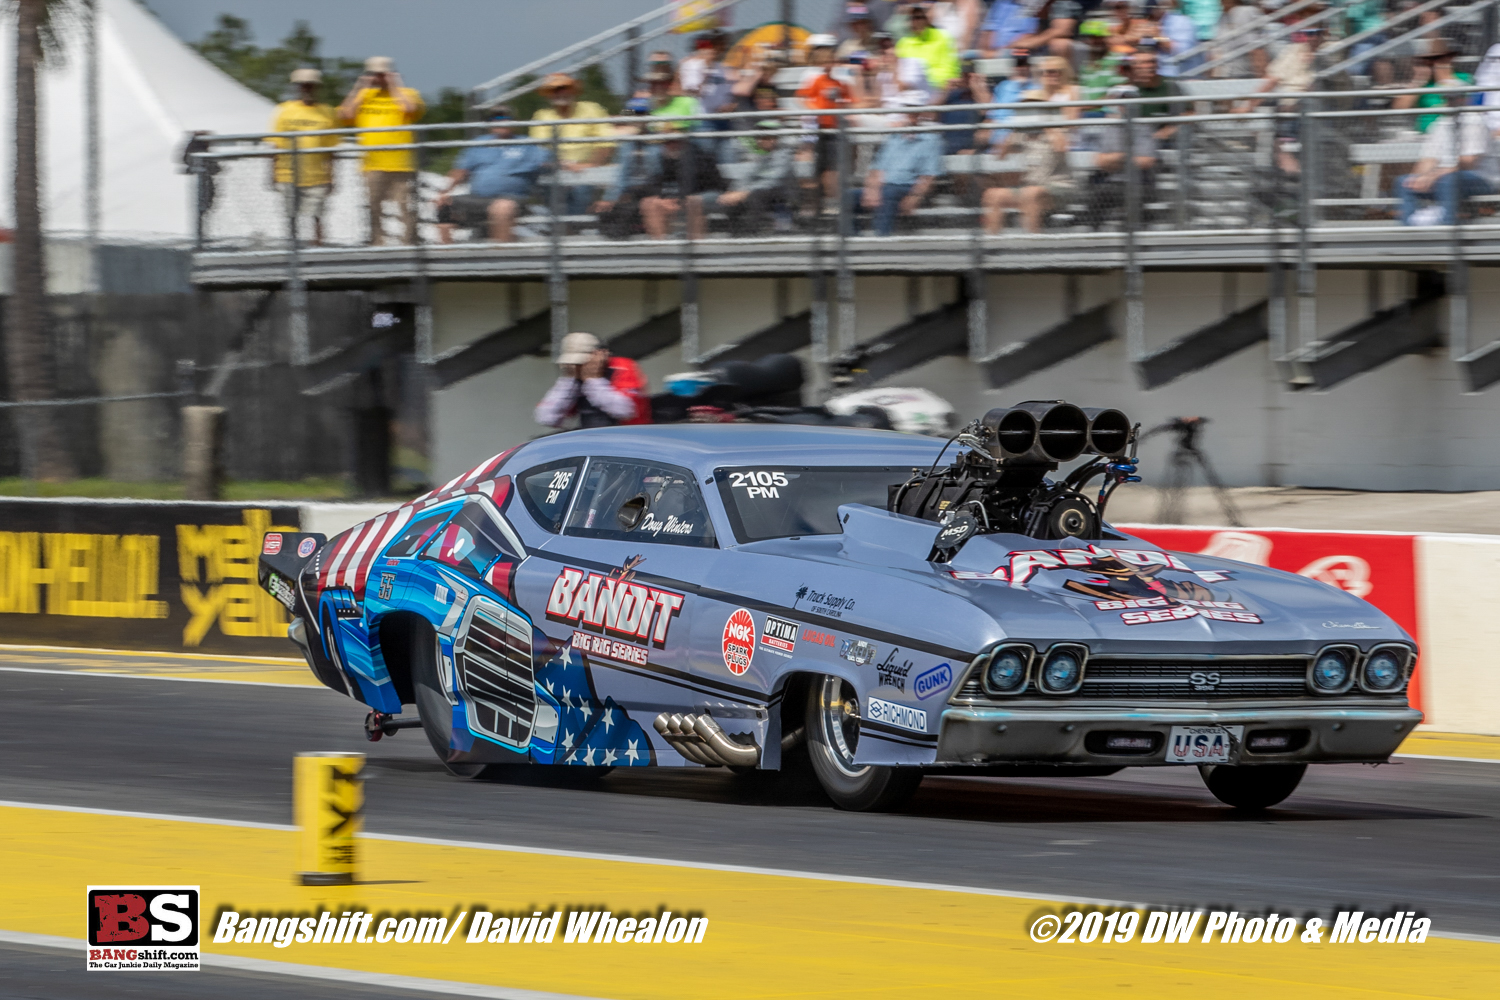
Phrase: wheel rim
(839,712)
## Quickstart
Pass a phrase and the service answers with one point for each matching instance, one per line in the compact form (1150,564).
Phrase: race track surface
(1414,835)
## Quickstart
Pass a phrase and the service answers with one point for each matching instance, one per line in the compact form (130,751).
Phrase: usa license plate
(1202,744)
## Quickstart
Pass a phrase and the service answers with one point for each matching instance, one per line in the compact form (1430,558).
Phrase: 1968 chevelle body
(736,595)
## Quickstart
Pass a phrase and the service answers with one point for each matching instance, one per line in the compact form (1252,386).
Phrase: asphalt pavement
(1413,835)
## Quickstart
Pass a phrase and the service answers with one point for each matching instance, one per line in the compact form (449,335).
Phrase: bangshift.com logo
(142,928)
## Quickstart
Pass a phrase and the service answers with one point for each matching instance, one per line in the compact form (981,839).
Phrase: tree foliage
(231,47)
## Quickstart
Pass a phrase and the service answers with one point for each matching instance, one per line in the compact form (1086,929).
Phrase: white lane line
(151,677)
(1429,756)
(637,860)
(382,979)
(6,647)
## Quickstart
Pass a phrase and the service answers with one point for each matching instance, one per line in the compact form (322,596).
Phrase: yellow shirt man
(378,109)
(312,170)
(575,152)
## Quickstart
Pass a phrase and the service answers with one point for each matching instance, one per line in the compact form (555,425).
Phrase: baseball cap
(380,64)
(1094,28)
(577,348)
(637,106)
(557,81)
(306,75)
(821,41)
(857,12)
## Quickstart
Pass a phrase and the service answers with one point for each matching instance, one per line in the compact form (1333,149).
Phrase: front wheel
(1252,788)
(433,706)
(833,736)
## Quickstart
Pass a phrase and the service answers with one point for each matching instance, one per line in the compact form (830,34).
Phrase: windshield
(776,501)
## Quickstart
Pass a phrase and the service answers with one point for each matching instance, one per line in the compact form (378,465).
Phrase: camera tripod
(1186,455)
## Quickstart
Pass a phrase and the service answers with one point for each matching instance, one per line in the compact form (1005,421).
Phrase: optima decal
(779,635)
(620,607)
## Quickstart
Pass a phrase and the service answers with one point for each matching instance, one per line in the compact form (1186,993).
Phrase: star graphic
(609,757)
(567,740)
(631,753)
(609,718)
(548,686)
(588,758)
(566,699)
(585,707)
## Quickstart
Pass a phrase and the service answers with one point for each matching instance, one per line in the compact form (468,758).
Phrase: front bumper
(1060,734)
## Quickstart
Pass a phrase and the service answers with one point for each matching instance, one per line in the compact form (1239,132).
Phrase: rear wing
(283,554)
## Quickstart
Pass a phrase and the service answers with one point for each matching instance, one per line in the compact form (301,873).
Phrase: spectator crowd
(898,66)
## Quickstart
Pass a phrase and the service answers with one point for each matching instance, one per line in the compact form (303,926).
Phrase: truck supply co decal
(739,642)
(619,606)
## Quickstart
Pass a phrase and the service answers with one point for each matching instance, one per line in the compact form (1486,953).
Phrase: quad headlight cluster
(1005,669)
(1383,670)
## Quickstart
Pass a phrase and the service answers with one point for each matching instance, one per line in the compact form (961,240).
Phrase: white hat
(577,348)
(380,64)
(307,75)
(822,42)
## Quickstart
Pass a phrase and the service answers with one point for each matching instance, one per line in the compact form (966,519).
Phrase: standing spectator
(1175,33)
(929,45)
(1007,21)
(861,33)
(597,388)
(305,180)
(902,174)
(1240,14)
(824,92)
(500,178)
(1367,15)
(1453,167)
(716,91)
(378,100)
(561,92)
(878,11)
(1048,178)
(1056,21)
(1205,16)
(764,187)
(687,178)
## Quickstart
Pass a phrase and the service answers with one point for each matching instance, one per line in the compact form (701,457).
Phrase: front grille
(493,659)
(1131,678)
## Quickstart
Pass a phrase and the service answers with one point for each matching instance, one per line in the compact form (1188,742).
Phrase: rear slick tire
(1252,788)
(433,706)
(832,739)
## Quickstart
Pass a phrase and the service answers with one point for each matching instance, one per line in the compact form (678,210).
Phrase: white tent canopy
(153,90)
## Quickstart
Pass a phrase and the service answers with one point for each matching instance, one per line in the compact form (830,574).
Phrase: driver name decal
(620,607)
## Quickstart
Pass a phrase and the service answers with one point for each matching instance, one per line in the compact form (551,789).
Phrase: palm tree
(28,348)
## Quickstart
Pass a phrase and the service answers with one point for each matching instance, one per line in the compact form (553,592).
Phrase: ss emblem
(1204,680)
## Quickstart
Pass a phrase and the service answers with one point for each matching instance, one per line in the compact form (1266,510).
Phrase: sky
(448,43)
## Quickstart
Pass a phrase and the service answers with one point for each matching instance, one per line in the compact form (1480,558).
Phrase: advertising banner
(139,575)
(1379,567)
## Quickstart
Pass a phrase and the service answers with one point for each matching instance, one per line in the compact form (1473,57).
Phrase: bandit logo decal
(739,641)
(616,604)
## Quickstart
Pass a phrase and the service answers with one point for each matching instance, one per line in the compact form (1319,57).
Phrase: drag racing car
(878,605)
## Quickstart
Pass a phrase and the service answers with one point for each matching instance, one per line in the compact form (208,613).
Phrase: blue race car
(739,595)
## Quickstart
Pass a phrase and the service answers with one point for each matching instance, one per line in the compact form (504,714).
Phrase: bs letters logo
(151,928)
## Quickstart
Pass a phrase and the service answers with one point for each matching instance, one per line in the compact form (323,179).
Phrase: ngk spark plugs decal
(739,641)
(619,606)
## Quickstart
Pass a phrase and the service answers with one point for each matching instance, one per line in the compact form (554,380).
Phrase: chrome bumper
(974,735)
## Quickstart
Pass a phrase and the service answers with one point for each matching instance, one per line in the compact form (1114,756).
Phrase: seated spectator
(1432,68)
(620,209)
(561,92)
(1106,183)
(1006,21)
(929,45)
(305,180)
(500,179)
(1240,14)
(1205,17)
(1047,178)
(1102,65)
(1148,81)
(1292,71)
(1175,32)
(822,92)
(685,175)
(1056,22)
(378,100)
(715,83)
(861,32)
(969,88)
(764,188)
(900,177)
(1452,169)
(819,52)
(758,75)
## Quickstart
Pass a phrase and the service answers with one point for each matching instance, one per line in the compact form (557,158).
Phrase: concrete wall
(1405,426)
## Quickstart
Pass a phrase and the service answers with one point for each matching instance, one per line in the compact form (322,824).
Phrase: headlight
(1332,670)
(1062,670)
(1007,669)
(1385,668)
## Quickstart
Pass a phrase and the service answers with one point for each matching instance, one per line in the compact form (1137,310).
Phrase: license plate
(1202,744)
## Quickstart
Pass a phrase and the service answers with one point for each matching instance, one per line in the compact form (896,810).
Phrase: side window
(547,489)
(416,534)
(632,500)
(469,542)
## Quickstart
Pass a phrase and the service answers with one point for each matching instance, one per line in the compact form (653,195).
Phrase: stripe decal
(392,529)
(366,535)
